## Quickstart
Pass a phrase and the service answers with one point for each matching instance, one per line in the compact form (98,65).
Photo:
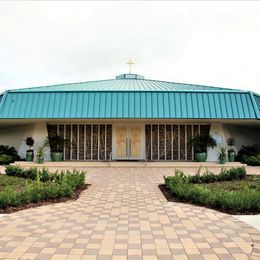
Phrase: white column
(216,131)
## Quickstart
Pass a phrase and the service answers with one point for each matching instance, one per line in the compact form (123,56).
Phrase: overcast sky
(210,43)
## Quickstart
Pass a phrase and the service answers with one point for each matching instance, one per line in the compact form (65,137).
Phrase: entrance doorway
(128,142)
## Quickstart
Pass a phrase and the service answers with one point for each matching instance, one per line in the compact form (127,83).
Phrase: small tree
(29,142)
(231,144)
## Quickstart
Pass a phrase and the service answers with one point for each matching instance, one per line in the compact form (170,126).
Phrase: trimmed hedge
(60,185)
(253,160)
(224,175)
(246,200)
(8,155)
(247,151)
(5,159)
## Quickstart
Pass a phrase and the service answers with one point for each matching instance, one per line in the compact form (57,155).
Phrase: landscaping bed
(231,191)
(24,188)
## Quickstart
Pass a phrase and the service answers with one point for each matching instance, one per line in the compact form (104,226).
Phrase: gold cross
(130,63)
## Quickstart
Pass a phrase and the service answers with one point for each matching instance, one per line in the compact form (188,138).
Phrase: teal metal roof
(124,82)
(128,97)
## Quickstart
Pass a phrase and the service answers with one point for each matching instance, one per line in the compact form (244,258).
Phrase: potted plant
(222,155)
(56,144)
(29,153)
(232,149)
(41,154)
(201,144)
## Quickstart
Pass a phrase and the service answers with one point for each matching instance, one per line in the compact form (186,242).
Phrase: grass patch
(14,183)
(21,187)
(251,182)
(238,195)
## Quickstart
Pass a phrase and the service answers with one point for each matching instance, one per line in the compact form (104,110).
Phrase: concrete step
(128,164)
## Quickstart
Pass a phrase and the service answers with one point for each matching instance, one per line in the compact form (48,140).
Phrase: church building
(129,118)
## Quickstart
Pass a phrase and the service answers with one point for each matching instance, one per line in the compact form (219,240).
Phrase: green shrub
(75,178)
(184,188)
(10,152)
(61,184)
(247,151)
(5,159)
(253,160)
(14,171)
(224,175)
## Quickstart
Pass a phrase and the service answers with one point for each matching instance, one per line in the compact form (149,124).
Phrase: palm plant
(222,155)
(56,143)
(202,142)
(41,154)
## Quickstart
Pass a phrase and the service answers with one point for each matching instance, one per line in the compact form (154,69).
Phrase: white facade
(15,136)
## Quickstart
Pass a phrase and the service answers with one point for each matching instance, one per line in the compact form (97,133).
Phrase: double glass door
(128,142)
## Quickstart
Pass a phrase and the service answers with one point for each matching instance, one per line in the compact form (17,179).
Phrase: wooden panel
(68,146)
(168,142)
(182,142)
(204,129)
(95,142)
(88,142)
(81,142)
(175,137)
(162,142)
(155,142)
(189,147)
(148,139)
(109,142)
(136,139)
(120,141)
(102,135)
(74,141)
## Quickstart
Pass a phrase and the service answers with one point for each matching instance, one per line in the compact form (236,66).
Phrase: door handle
(130,146)
(126,147)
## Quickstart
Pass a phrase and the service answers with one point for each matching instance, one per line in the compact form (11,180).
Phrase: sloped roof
(125,82)
(129,96)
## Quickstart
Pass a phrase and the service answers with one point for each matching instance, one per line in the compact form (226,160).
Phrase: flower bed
(38,186)
(214,191)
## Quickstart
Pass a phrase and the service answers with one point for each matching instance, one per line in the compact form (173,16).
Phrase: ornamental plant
(231,144)
(202,142)
(223,153)
(56,143)
(29,142)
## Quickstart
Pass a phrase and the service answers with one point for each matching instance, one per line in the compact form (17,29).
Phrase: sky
(208,43)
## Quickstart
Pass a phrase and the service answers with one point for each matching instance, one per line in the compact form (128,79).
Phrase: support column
(216,131)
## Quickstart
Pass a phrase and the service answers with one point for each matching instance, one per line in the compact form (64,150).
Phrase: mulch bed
(167,194)
(74,196)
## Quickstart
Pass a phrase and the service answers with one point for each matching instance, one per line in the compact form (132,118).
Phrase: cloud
(195,42)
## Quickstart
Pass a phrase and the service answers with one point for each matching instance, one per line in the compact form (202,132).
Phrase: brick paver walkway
(123,215)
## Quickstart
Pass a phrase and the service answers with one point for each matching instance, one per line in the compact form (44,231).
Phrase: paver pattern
(124,215)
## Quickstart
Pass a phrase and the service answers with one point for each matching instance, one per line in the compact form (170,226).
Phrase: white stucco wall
(244,135)
(15,136)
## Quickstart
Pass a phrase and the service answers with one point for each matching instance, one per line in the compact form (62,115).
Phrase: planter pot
(29,156)
(56,156)
(222,161)
(231,156)
(201,157)
(40,159)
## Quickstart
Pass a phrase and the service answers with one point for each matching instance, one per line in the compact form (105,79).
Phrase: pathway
(124,215)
